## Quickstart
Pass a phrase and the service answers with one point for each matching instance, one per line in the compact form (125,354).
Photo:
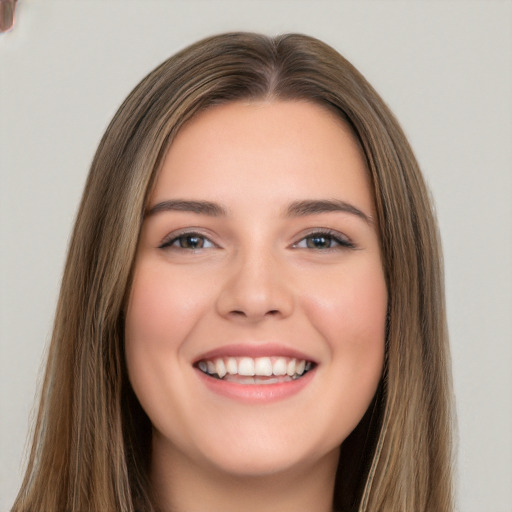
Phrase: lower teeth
(255,380)
(241,379)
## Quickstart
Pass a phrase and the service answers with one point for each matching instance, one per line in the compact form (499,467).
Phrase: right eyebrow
(181,205)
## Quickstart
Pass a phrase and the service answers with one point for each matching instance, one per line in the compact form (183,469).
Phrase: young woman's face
(256,319)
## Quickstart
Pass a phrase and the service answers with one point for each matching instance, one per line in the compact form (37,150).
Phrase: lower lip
(256,393)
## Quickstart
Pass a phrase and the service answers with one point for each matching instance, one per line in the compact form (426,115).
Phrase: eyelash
(331,237)
(340,241)
(170,242)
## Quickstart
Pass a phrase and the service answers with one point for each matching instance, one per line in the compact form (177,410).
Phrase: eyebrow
(295,209)
(180,205)
(312,207)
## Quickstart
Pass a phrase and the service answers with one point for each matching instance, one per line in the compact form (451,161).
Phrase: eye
(324,240)
(187,241)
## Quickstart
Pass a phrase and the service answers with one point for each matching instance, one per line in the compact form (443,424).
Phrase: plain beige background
(445,69)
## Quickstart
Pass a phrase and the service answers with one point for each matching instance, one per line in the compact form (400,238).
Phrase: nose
(255,288)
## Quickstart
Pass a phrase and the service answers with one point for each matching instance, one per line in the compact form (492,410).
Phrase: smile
(259,370)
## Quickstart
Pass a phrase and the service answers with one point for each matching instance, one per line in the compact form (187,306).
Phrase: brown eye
(190,242)
(322,241)
(319,242)
(187,241)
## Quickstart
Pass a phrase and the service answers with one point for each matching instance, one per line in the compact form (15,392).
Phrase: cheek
(354,302)
(148,344)
(162,312)
(162,308)
(350,314)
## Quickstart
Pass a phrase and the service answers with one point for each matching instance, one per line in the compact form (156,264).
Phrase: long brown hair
(91,444)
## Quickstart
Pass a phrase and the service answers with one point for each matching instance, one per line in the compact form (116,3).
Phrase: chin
(263,456)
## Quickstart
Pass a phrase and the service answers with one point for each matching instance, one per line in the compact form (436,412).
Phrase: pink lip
(256,393)
(260,350)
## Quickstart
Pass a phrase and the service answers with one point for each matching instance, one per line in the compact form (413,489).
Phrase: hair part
(91,447)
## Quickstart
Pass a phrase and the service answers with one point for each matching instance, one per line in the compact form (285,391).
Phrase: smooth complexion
(260,240)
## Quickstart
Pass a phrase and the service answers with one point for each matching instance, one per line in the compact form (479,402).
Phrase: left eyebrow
(312,207)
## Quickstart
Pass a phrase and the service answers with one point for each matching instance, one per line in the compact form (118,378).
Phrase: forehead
(282,150)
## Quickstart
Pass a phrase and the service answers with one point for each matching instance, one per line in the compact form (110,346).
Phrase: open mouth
(259,370)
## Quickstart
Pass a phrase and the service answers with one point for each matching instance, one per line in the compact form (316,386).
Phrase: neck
(180,485)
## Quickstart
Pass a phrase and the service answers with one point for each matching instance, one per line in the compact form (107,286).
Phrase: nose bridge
(256,286)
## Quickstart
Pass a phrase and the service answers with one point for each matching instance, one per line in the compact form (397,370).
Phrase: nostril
(240,313)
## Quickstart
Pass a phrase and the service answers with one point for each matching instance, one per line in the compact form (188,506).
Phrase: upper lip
(254,350)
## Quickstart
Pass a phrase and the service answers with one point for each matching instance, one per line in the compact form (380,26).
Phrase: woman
(252,312)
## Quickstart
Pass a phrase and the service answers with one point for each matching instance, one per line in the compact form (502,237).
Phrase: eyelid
(170,238)
(342,240)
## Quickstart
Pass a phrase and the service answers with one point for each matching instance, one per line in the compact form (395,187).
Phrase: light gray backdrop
(444,67)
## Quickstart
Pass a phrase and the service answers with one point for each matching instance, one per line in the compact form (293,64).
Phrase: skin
(261,276)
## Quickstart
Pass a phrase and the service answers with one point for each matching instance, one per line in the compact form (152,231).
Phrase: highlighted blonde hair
(91,446)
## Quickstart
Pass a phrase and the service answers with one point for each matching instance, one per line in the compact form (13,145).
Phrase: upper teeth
(259,366)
